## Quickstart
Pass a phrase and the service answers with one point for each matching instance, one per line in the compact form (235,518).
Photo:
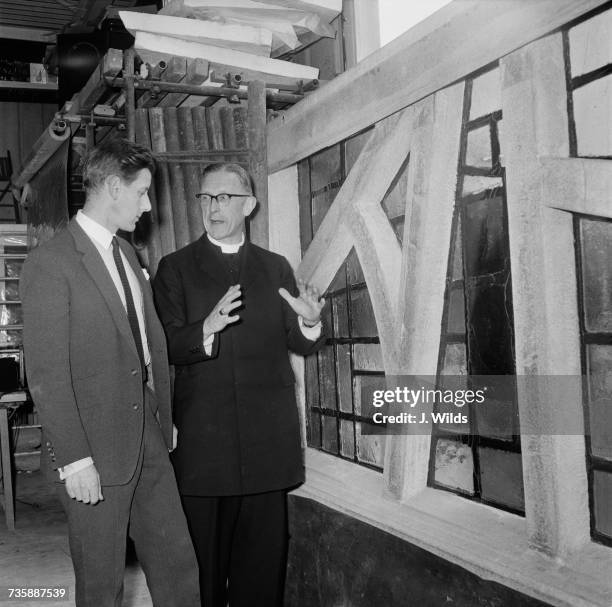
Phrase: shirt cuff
(208,344)
(69,469)
(311,333)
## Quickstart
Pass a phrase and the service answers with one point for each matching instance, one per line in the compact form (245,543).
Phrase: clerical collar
(226,248)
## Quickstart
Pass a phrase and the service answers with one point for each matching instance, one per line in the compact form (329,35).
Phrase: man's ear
(113,185)
(249,205)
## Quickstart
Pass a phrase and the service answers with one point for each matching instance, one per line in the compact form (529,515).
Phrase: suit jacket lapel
(145,288)
(97,270)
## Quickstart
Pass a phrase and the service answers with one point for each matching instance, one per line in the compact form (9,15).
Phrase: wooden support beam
(175,72)
(455,41)
(546,325)
(42,150)
(432,177)
(380,256)
(366,184)
(31,34)
(8,478)
(578,185)
(361,29)
(96,87)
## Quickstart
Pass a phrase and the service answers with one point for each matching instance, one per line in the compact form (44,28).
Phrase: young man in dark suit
(232,312)
(98,373)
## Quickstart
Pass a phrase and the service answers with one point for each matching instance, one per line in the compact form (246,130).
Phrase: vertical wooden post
(7,469)
(130,95)
(258,161)
(547,339)
(432,177)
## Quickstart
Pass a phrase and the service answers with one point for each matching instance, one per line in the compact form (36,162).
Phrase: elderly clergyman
(98,373)
(232,312)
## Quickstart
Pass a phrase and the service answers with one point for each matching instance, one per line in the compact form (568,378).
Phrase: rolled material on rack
(147,230)
(191,172)
(163,189)
(177,181)
(44,148)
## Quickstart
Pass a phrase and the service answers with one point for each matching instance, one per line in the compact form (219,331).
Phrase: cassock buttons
(134,371)
(135,407)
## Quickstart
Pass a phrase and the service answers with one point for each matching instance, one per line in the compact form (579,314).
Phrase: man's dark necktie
(129,304)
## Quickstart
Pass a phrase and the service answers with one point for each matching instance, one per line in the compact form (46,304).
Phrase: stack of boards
(237,37)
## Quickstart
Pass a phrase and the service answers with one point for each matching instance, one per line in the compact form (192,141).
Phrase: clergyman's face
(132,201)
(225,222)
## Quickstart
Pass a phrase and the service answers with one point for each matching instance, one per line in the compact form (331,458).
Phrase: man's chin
(129,227)
(216,232)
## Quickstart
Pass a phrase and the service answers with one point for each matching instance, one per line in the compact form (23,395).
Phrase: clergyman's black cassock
(235,410)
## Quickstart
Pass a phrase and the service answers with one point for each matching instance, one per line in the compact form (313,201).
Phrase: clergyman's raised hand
(308,304)
(220,316)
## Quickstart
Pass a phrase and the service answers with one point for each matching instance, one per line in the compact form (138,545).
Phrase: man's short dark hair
(230,167)
(118,157)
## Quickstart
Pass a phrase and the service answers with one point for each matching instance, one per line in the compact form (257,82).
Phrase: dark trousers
(241,545)
(149,508)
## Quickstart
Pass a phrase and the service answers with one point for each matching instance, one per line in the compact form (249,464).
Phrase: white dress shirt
(313,333)
(102,240)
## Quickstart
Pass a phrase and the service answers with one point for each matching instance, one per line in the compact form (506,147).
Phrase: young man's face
(225,222)
(131,202)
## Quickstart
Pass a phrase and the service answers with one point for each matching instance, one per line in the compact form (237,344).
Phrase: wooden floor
(37,553)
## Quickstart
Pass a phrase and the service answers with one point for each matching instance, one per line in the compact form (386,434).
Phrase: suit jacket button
(135,407)
(134,371)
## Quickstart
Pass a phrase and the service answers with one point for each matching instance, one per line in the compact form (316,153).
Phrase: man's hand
(308,304)
(84,485)
(220,317)
(174,438)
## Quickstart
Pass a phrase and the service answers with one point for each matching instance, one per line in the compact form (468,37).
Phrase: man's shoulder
(60,245)
(181,255)
(268,257)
